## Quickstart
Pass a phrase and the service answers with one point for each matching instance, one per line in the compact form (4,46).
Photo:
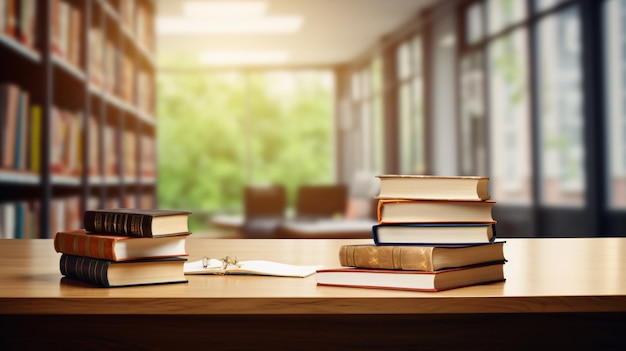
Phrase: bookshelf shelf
(19,48)
(14,177)
(75,110)
(68,67)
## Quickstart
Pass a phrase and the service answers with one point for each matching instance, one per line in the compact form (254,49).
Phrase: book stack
(433,233)
(124,247)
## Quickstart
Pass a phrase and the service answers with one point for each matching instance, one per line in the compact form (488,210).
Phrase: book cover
(116,274)
(434,187)
(118,248)
(411,280)
(433,233)
(420,258)
(137,222)
(434,211)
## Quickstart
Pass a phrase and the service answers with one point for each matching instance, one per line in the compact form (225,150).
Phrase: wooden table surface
(542,275)
(558,293)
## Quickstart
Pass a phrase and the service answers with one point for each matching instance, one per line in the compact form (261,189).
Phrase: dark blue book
(445,234)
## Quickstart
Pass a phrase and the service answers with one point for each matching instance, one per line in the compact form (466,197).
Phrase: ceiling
(332,31)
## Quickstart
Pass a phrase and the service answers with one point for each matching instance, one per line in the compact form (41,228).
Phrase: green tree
(220,131)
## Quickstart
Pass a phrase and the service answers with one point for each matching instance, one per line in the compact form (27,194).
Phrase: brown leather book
(420,258)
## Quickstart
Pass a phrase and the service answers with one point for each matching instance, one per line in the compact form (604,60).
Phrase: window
(615,86)
(560,109)
(411,107)
(473,150)
(503,13)
(511,163)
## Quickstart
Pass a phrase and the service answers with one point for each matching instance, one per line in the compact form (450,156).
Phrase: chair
(264,210)
(321,201)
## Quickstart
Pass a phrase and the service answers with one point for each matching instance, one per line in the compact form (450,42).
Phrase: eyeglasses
(219,265)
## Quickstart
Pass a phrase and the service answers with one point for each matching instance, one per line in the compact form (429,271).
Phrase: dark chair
(264,210)
(321,201)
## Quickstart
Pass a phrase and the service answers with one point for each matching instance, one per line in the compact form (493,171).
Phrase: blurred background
(317,92)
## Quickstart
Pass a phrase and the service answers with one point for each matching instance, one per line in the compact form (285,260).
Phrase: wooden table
(568,292)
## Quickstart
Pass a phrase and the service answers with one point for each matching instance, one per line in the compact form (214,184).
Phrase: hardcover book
(419,258)
(118,248)
(433,233)
(411,280)
(137,222)
(433,187)
(434,211)
(115,274)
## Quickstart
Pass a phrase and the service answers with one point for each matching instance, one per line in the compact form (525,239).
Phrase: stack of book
(123,247)
(433,233)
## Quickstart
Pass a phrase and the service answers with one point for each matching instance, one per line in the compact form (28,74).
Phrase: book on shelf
(413,280)
(419,258)
(118,248)
(433,187)
(433,233)
(137,222)
(434,211)
(27,22)
(9,96)
(105,273)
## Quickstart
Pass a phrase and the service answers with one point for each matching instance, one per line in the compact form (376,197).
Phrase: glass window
(473,125)
(510,151)
(474,23)
(615,72)
(378,129)
(541,5)
(411,111)
(560,110)
(503,13)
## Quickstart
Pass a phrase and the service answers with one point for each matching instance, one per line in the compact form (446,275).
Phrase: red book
(118,248)
(411,280)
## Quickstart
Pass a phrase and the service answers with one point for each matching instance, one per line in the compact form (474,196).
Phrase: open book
(251,267)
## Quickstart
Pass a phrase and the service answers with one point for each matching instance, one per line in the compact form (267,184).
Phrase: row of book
(433,233)
(21,219)
(20,130)
(18,19)
(114,70)
(125,247)
(21,136)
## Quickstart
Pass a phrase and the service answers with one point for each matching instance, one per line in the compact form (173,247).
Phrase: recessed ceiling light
(261,25)
(235,57)
(230,9)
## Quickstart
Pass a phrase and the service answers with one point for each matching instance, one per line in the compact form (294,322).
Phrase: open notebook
(251,267)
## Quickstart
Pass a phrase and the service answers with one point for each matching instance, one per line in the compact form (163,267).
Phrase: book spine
(387,257)
(85,269)
(85,245)
(118,223)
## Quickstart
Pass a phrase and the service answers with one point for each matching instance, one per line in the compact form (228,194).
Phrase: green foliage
(220,131)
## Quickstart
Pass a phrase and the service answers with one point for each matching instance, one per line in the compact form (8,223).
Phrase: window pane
(503,13)
(416,49)
(419,161)
(406,164)
(541,5)
(473,143)
(474,23)
(511,168)
(378,128)
(615,46)
(560,110)
(403,55)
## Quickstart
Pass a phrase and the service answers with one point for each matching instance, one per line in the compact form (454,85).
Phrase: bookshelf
(77,107)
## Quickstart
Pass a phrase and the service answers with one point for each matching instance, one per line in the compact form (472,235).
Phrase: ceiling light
(233,58)
(231,9)
(262,25)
